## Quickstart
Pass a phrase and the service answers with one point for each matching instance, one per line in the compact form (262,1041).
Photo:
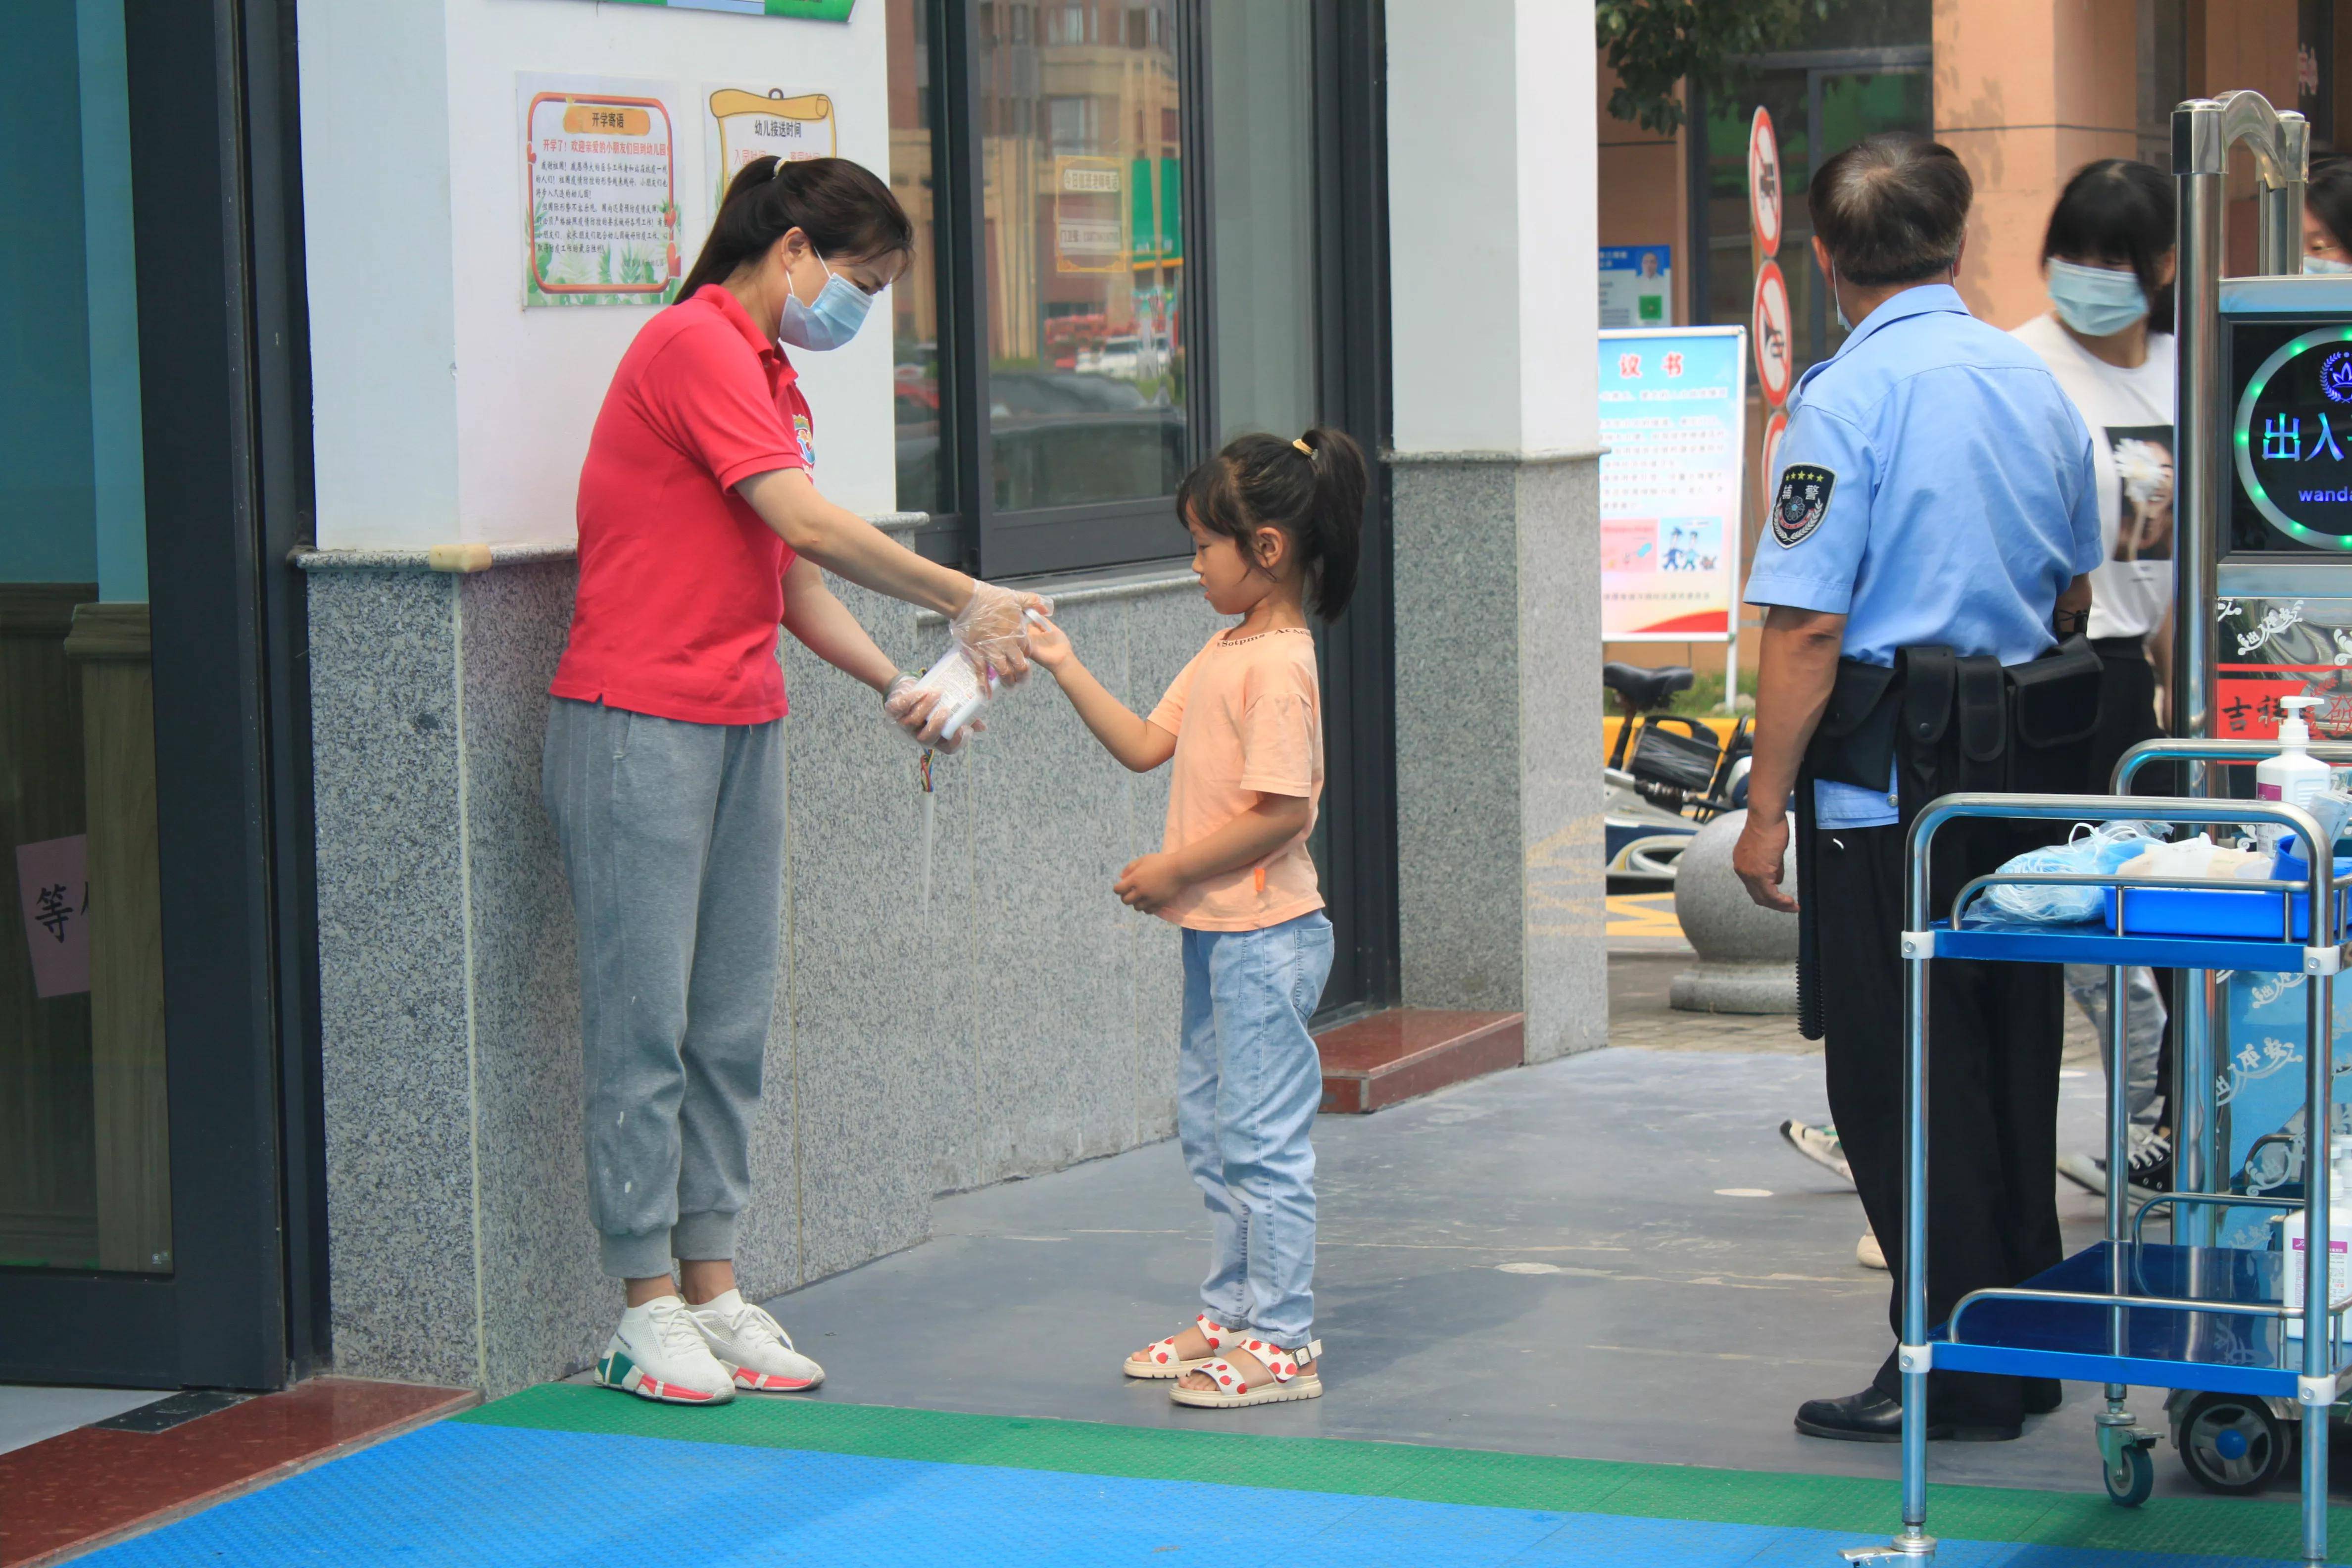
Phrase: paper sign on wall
(53,890)
(1673,426)
(740,124)
(600,181)
(1637,286)
(805,10)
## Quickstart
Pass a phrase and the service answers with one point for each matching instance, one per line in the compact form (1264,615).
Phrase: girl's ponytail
(1313,489)
(1336,516)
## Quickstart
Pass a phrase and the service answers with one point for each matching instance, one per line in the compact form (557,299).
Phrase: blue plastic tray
(2092,943)
(2223,1352)
(2220,911)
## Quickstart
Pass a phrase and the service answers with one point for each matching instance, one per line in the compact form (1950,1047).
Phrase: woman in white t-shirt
(2108,260)
(2107,338)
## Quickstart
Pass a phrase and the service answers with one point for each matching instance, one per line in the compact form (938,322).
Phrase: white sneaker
(753,1346)
(1819,1144)
(659,1353)
(1868,1253)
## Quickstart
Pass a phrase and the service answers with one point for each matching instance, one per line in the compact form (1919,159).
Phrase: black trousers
(1993,1048)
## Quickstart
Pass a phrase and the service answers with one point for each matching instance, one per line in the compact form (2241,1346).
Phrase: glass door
(142,1220)
(85,1162)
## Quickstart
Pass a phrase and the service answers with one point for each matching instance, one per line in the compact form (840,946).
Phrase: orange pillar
(2027,91)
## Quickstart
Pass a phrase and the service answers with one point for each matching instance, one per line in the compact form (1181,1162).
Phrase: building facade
(306,1093)
(2025,92)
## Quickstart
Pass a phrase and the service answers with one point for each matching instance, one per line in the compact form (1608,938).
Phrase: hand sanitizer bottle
(2293,776)
(2339,1239)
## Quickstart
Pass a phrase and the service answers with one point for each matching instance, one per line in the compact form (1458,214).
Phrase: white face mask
(839,310)
(2097,301)
(2326,264)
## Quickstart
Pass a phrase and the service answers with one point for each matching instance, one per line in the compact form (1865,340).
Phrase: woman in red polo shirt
(701,529)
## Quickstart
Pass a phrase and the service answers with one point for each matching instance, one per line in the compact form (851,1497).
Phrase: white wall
(441,409)
(1492,227)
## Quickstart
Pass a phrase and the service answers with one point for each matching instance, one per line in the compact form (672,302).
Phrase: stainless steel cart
(2174,1314)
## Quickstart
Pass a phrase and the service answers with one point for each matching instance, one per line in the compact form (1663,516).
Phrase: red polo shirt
(681,584)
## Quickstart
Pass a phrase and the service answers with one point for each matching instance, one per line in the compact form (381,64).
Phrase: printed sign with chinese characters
(2269,648)
(53,890)
(741,124)
(1672,415)
(599,182)
(1637,286)
(805,10)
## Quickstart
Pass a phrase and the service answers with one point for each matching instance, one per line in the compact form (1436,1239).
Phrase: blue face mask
(2097,301)
(2326,264)
(840,310)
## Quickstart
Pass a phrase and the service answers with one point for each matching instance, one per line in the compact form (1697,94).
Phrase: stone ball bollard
(1746,953)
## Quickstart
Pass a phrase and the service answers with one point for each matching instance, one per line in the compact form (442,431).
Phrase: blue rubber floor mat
(464,1494)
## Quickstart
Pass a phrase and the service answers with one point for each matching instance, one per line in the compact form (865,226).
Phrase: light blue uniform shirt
(1943,493)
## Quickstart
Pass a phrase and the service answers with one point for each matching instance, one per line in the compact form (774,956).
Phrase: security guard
(1932,527)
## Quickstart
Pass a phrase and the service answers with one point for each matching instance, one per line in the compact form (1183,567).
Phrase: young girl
(1273,526)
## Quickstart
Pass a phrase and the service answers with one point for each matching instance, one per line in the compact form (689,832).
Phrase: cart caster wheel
(2129,1482)
(2230,1443)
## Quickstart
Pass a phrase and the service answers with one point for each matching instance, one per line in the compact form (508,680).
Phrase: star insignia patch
(1804,502)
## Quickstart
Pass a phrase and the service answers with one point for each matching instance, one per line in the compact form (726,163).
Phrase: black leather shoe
(1869,1416)
(2043,1394)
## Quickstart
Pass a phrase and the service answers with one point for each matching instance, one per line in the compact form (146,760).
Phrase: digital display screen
(2291,434)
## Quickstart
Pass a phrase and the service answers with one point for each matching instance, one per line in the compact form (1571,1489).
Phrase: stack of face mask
(2198,858)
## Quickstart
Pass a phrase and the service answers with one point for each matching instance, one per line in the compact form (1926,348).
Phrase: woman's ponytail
(847,211)
(1312,488)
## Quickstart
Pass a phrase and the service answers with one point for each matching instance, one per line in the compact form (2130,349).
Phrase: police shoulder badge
(1804,502)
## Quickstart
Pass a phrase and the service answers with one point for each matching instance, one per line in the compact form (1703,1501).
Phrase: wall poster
(805,10)
(599,182)
(740,124)
(1637,286)
(1673,408)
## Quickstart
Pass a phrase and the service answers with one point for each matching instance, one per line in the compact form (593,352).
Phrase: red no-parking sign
(1769,331)
(1764,183)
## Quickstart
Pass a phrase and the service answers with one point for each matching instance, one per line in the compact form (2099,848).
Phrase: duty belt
(1935,724)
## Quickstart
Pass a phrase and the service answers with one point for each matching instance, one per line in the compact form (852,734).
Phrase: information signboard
(1637,286)
(600,161)
(1673,429)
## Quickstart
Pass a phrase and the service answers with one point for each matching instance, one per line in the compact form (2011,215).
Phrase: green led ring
(2243,437)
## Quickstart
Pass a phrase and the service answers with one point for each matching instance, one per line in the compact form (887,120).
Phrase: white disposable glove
(918,713)
(992,630)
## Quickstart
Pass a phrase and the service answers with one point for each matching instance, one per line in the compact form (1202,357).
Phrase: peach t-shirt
(1247,715)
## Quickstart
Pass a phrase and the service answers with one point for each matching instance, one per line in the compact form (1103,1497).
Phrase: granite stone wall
(1498,758)
(1016,1020)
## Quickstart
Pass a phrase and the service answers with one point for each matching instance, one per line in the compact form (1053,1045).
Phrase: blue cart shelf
(2225,1353)
(2207,1322)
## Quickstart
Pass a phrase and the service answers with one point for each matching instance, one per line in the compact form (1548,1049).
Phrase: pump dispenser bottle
(2339,1236)
(2293,776)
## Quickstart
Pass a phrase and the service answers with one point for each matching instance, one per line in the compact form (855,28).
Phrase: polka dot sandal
(1162,1360)
(1233,1388)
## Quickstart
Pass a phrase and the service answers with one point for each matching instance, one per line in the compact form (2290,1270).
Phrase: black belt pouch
(2053,714)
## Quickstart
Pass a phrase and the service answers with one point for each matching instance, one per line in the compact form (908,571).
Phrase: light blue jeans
(1247,1089)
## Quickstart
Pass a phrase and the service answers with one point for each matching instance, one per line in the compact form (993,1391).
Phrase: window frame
(966,525)
(1357,652)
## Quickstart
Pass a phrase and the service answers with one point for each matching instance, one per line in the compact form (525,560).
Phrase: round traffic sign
(1764,183)
(1770,462)
(1769,329)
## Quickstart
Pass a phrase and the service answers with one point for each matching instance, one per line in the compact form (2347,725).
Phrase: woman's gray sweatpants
(673,839)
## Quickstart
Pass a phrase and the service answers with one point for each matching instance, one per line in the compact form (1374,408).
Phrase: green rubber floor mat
(2195,1526)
